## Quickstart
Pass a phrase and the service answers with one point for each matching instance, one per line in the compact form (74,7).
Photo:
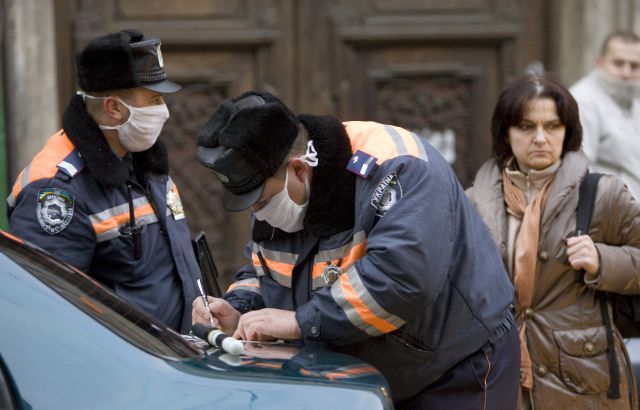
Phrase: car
(67,342)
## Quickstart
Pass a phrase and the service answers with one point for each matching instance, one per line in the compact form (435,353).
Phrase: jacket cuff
(308,319)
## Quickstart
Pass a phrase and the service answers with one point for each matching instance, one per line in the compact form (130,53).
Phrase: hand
(268,324)
(223,314)
(583,254)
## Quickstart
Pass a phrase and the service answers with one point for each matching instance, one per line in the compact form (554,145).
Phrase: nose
(538,136)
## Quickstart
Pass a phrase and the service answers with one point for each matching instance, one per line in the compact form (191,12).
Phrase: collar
(533,179)
(102,163)
(332,198)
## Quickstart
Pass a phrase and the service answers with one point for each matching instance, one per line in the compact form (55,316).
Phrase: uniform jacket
(565,332)
(611,132)
(73,201)
(396,268)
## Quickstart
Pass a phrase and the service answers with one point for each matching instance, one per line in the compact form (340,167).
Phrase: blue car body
(66,342)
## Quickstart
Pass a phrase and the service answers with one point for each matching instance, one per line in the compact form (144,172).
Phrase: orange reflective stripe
(235,285)
(121,219)
(17,186)
(45,163)
(372,138)
(382,141)
(282,268)
(361,308)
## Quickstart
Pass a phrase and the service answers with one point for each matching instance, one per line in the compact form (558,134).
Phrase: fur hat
(245,141)
(123,60)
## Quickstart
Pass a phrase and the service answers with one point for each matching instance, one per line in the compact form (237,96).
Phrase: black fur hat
(245,141)
(123,60)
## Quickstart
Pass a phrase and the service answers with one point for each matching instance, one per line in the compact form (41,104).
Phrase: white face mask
(282,212)
(142,128)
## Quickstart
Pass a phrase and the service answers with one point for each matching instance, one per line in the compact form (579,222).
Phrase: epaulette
(362,164)
(72,164)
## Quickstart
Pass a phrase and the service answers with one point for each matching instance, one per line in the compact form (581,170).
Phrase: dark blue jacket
(73,200)
(395,267)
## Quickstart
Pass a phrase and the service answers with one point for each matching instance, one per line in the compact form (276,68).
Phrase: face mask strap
(311,155)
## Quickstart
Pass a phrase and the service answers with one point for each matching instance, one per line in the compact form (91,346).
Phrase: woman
(527,194)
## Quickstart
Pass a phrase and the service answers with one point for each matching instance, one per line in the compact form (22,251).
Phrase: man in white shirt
(609,102)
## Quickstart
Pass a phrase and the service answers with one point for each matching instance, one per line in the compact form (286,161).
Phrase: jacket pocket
(583,359)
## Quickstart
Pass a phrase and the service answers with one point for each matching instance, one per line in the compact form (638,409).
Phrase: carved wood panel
(432,66)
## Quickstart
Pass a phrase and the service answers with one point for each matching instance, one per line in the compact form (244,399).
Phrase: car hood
(295,363)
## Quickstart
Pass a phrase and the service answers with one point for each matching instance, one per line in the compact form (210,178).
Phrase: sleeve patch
(387,194)
(54,209)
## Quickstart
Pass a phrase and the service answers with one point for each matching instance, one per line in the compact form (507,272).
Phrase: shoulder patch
(362,164)
(54,209)
(386,194)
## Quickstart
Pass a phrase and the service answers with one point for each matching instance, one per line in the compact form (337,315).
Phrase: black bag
(626,308)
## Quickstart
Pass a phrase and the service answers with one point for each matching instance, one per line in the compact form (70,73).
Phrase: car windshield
(92,298)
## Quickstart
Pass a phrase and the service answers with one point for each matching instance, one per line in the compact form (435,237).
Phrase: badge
(174,203)
(331,273)
(386,194)
(54,209)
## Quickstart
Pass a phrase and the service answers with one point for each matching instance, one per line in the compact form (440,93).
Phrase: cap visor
(236,203)
(164,87)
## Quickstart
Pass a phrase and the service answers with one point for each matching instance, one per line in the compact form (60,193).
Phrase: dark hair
(622,35)
(512,103)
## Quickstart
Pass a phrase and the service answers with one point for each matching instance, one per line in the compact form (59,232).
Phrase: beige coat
(565,334)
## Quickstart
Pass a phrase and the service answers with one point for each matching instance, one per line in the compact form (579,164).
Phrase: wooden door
(432,66)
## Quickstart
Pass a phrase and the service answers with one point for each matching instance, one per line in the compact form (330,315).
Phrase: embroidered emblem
(175,204)
(331,273)
(54,209)
(386,194)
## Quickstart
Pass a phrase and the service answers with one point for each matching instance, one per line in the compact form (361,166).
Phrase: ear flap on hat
(209,134)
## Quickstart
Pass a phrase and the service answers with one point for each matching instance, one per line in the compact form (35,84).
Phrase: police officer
(98,194)
(363,240)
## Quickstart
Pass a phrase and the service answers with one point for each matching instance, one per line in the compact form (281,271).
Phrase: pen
(206,302)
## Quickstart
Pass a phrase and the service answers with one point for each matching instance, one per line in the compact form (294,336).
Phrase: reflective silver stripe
(283,280)
(70,168)
(282,257)
(366,298)
(259,270)
(342,251)
(108,235)
(117,210)
(397,138)
(11,201)
(420,145)
(251,285)
(24,180)
(25,177)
